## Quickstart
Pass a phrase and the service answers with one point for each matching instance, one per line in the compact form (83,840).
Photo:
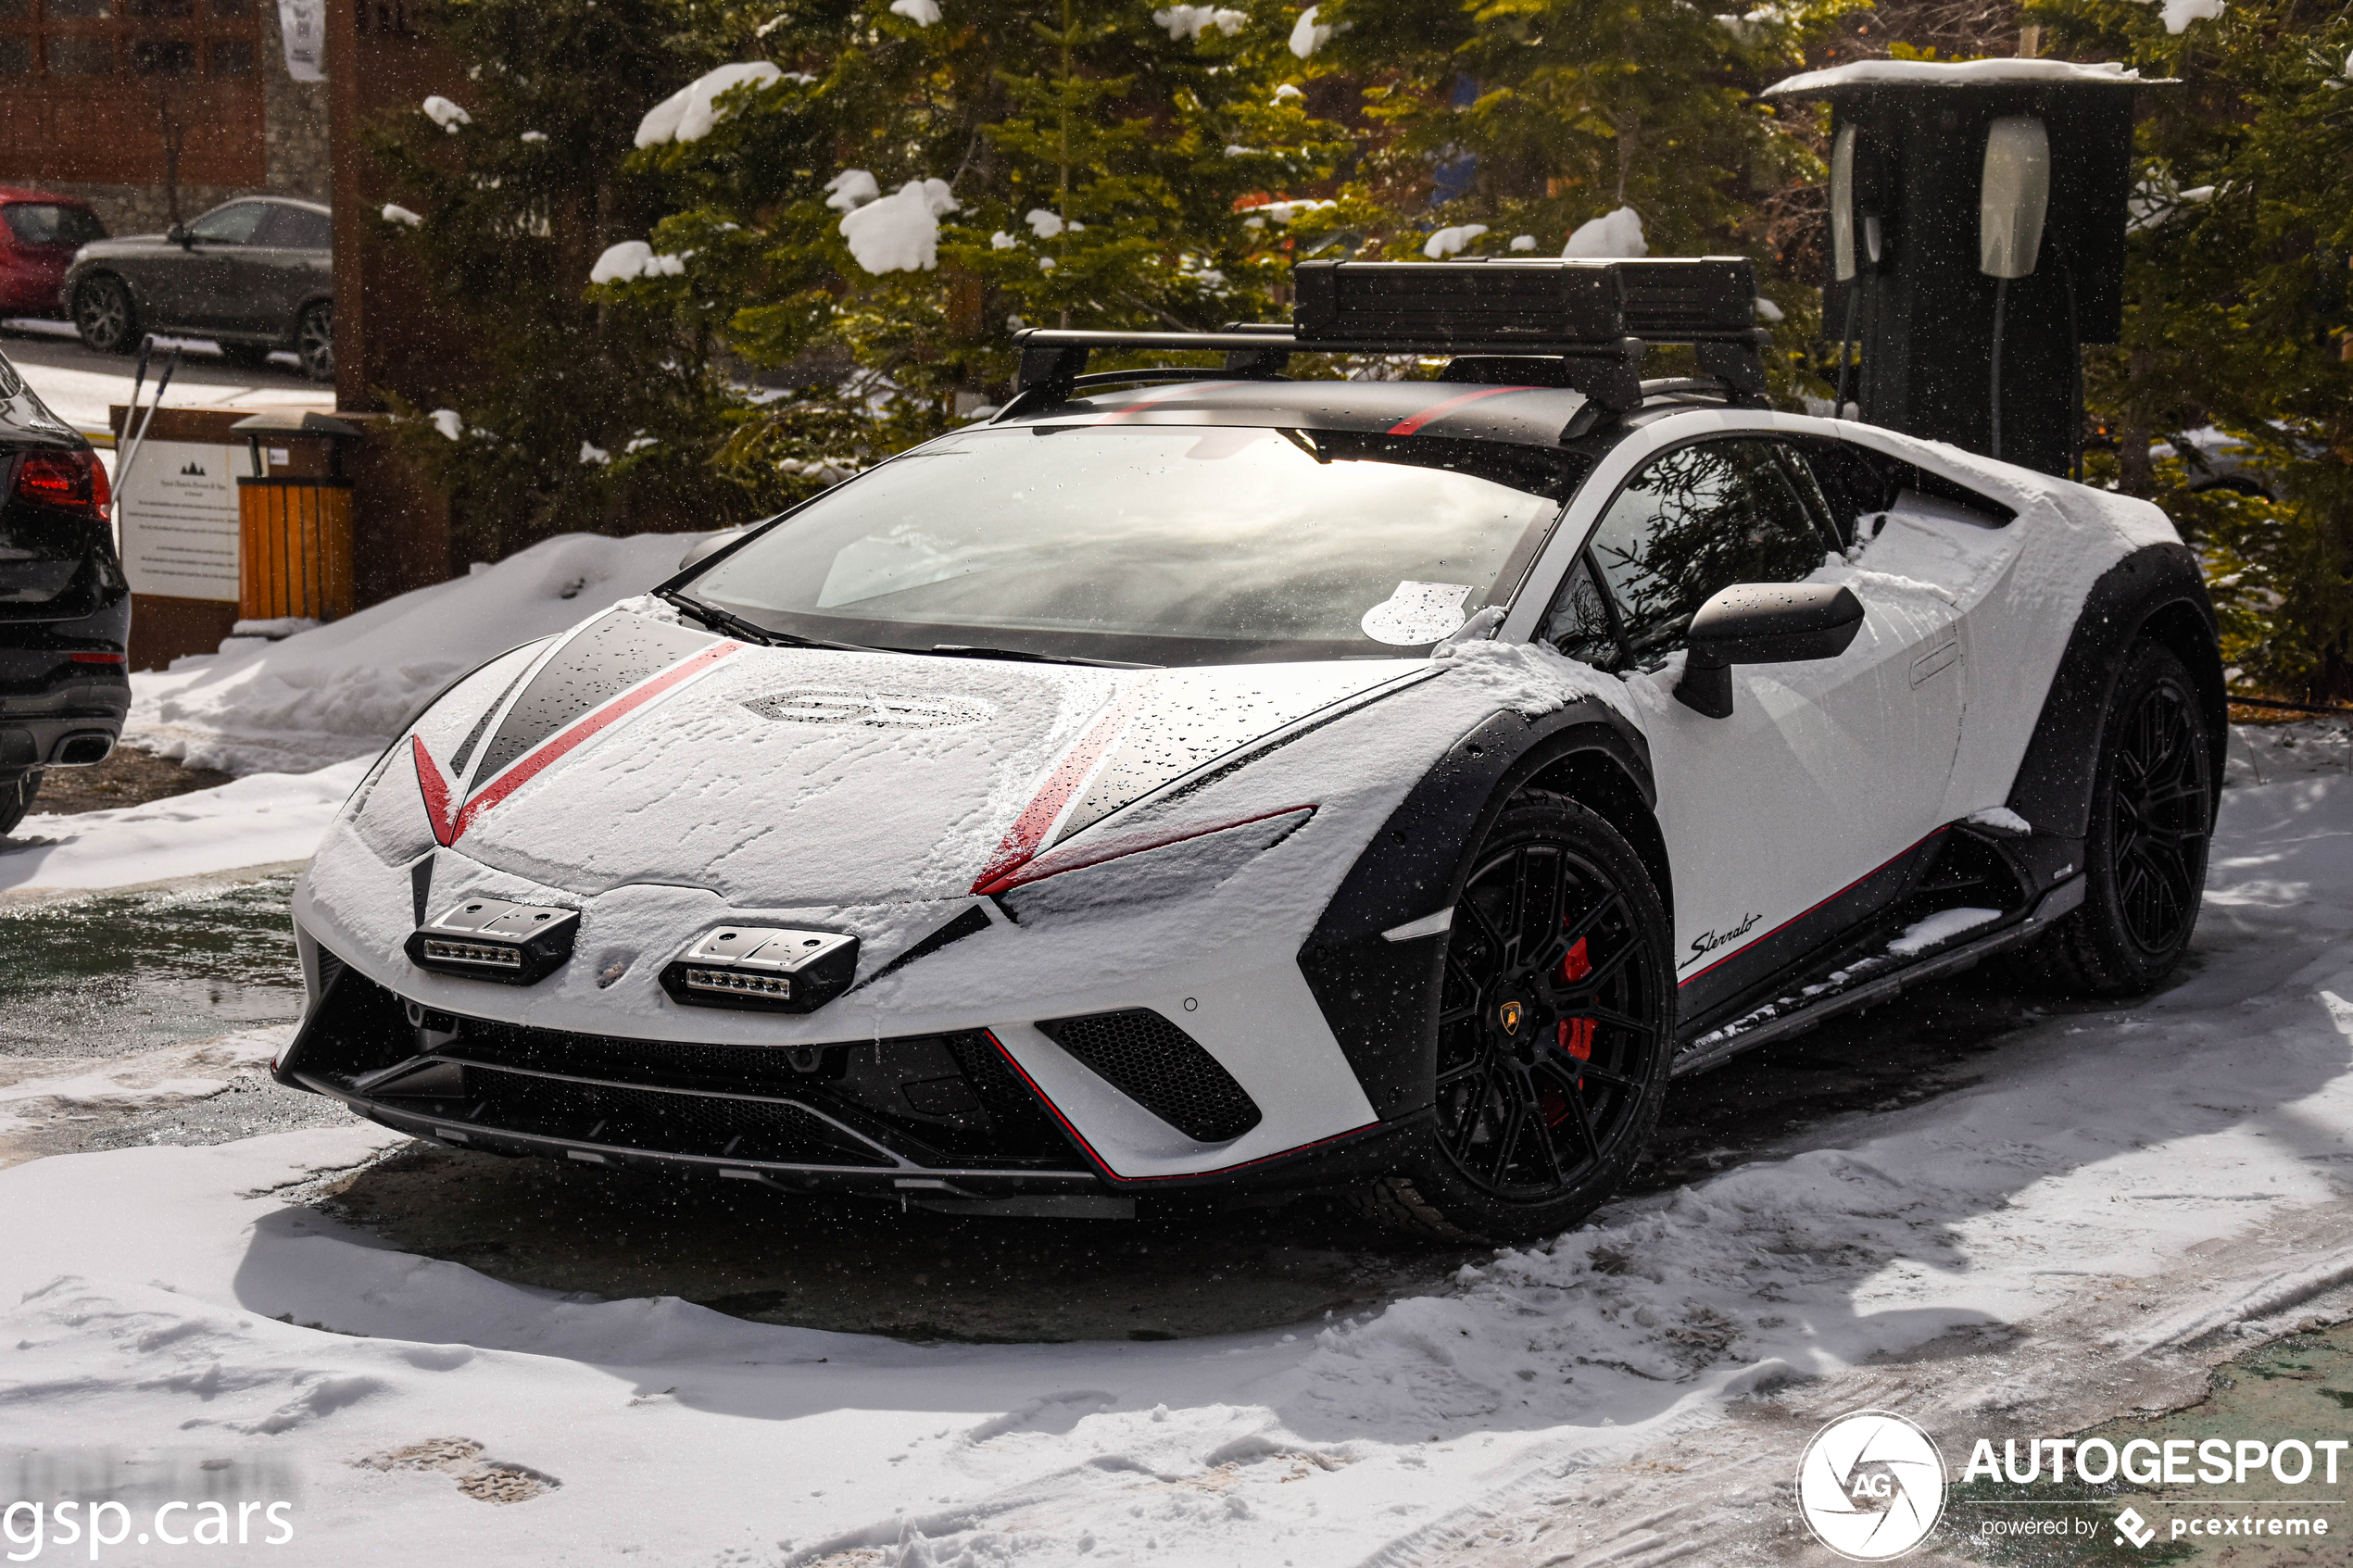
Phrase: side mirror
(1762,623)
(178,234)
(711,546)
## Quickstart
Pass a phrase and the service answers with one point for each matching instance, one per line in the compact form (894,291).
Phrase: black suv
(65,608)
(255,275)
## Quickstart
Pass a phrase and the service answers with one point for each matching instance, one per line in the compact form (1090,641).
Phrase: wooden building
(139,106)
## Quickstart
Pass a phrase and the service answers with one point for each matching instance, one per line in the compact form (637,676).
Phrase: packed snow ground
(2184,1158)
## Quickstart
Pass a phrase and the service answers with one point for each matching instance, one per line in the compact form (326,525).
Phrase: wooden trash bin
(294,519)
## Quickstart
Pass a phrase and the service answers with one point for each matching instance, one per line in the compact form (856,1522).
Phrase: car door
(279,270)
(198,288)
(1826,771)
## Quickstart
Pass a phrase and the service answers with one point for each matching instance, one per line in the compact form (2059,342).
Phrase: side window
(1695,520)
(1853,481)
(293,227)
(231,225)
(1578,624)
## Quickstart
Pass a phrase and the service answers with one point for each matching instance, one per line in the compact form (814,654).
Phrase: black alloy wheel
(103,315)
(315,341)
(16,791)
(1554,1030)
(2152,813)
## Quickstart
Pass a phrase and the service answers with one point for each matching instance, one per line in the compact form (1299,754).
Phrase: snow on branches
(900,233)
(689,114)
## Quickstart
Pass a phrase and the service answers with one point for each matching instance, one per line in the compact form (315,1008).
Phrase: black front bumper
(938,1119)
(942,1122)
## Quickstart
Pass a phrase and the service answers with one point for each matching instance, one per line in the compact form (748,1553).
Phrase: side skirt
(1870,980)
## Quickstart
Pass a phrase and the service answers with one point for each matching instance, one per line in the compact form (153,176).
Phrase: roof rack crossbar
(1597,318)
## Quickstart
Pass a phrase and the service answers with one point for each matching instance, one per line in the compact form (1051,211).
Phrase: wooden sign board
(176,529)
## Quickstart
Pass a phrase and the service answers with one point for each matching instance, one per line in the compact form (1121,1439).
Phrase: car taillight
(74,481)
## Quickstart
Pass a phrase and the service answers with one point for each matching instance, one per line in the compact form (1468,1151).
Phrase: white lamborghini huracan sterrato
(1203,779)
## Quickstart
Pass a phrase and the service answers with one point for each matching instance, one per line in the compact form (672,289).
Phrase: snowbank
(263,820)
(343,690)
(144,1291)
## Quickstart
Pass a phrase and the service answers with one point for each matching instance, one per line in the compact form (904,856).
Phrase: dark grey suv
(254,275)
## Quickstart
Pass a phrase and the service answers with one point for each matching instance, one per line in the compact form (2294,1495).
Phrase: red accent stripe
(1029,829)
(1104,1169)
(1440,410)
(539,758)
(434,788)
(1816,905)
(1039,869)
(94,659)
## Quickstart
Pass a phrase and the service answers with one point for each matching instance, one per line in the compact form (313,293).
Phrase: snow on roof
(1951,73)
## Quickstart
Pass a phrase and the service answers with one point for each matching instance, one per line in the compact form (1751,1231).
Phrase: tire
(2145,859)
(16,791)
(1560,943)
(315,341)
(245,355)
(103,315)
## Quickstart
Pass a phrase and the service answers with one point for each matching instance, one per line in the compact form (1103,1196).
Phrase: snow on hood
(642,752)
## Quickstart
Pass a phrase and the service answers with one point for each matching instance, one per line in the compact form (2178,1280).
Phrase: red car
(38,234)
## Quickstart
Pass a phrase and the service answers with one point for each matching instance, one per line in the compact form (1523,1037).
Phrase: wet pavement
(103,979)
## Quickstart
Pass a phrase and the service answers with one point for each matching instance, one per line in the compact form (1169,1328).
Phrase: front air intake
(1160,1068)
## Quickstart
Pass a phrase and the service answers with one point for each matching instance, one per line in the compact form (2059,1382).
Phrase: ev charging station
(1976,214)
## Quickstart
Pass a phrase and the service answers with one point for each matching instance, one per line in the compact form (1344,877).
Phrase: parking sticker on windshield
(1416,613)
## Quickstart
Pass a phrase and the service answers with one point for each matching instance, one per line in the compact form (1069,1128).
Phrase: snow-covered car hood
(636,751)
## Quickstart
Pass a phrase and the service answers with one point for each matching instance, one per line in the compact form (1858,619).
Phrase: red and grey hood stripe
(601,682)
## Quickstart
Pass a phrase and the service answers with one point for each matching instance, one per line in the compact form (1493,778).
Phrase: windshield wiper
(736,626)
(1023,656)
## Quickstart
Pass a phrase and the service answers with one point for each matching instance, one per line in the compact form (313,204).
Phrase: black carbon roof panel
(599,662)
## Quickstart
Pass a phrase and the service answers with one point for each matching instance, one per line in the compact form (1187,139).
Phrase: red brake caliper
(1574,1035)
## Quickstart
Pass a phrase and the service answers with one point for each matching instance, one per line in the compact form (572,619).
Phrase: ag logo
(1872,1485)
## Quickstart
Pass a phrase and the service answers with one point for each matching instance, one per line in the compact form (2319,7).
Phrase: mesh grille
(1160,1068)
(647,1118)
(862,1084)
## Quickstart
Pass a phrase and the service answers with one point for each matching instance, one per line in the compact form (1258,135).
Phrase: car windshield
(1154,545)
(51,224)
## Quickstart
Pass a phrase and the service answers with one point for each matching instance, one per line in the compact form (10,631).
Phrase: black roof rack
(1593,319)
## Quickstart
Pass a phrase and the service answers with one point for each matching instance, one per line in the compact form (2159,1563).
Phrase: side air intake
(1160,1068)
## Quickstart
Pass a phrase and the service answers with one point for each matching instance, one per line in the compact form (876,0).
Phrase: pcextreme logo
(1870,1486)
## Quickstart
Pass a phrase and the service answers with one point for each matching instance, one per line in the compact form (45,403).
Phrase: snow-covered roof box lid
(1958,73)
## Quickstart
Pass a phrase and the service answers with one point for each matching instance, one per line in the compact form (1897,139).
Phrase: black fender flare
(2156,591)
(1380,998)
